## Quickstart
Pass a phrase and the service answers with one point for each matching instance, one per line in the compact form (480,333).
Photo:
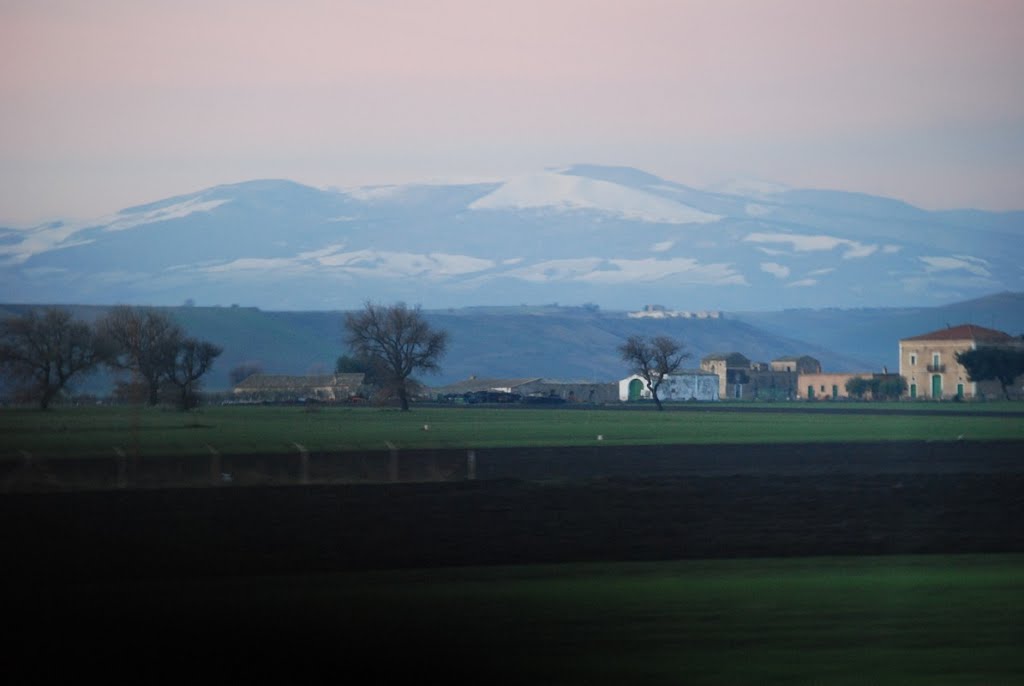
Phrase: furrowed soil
(542,505)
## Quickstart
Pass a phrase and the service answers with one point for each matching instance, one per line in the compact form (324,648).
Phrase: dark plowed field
(117,582)
(684,502)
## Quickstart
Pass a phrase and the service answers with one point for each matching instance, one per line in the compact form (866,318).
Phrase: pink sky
(108,103)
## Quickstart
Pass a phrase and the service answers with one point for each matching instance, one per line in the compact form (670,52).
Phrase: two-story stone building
(741,379)
(928,362)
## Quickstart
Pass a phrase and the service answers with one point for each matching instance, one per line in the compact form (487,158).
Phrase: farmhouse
(742,379)
(928,362)
(685,385)
(826,386)
(280,388)
(731,368)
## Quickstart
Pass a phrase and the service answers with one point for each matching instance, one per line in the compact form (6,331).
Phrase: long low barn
(569,391)
(282,388)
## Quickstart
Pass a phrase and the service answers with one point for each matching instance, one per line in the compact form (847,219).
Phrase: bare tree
(191,360)
(653,360)
(145,342)
(42,353)
(396,340)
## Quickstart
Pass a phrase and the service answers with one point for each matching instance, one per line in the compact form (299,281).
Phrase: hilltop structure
(661,312)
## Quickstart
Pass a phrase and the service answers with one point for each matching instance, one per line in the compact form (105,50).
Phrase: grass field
(121,574)
(878,620)
(71,432)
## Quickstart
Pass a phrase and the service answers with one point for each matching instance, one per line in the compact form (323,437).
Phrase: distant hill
(575,342)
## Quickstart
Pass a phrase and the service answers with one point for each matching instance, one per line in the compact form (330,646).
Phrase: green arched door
(636,387)
(936,386)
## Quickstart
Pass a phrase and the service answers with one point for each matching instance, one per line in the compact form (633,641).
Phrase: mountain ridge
(587,233)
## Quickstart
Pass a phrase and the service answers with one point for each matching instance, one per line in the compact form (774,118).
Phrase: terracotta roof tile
(963,332)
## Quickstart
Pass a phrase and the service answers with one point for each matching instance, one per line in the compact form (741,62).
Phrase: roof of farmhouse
(964,332)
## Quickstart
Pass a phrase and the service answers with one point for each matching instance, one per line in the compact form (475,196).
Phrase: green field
(868,620)
(236,430)
(69,432)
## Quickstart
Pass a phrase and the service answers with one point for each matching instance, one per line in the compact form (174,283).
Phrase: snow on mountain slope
(748,188)
(61,234)
(566,192)
(615,236)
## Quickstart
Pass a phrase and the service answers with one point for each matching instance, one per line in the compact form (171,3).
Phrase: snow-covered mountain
(614,236)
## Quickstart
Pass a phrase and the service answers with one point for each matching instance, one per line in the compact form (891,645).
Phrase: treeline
(43,352)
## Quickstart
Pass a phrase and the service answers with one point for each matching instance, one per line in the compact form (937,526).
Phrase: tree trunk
(653,388)
(403,396)
(185,400)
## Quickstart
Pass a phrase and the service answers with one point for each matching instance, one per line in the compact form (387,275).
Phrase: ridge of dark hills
(569,342)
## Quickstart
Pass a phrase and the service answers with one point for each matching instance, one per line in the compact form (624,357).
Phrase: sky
(109,103)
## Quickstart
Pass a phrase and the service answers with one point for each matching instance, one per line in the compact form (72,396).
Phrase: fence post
(392,461)
(303,463)
(216,477)
(122,467)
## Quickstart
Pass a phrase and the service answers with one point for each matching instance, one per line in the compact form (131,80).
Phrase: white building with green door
(687,385)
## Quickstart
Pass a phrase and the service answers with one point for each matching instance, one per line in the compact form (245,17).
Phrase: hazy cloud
(775,269)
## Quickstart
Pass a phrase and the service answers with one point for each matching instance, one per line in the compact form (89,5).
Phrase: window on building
(935,359)
(913,359)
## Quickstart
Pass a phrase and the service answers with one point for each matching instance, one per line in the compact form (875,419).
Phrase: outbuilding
(686,385)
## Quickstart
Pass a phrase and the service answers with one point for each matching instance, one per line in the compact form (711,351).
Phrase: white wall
(680,387)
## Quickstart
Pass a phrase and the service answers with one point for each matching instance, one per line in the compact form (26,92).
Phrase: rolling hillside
(573,342)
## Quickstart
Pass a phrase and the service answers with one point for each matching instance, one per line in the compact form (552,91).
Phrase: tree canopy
(43,352)
(999,363)
(192,359)
(155,349)
(396,341)
(145,342)
(885,387)
(653,360)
